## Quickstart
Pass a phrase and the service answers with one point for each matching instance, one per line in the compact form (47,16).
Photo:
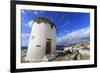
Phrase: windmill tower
(42,42)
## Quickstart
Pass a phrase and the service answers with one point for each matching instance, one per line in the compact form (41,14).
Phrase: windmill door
(48,47)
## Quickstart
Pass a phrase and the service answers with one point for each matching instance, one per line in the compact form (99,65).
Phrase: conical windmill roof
(44,20)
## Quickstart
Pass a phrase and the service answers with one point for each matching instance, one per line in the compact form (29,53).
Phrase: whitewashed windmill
(42,42)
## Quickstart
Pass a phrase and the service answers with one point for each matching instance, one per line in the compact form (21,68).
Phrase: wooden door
(48,47)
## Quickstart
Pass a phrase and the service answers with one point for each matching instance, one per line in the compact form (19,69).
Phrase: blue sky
(70,25)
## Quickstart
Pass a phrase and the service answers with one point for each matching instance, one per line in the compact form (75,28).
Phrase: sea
(57,48)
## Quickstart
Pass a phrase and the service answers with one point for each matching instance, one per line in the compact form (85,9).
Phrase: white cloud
(25,39)
(29,24)
(75,36)
(23,12)
(35,12)
(79,33)
(66,31)
(25,35)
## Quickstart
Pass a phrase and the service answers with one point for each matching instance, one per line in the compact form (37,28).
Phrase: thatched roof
(44,20)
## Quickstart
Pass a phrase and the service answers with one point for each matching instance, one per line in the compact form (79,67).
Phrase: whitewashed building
(42,42)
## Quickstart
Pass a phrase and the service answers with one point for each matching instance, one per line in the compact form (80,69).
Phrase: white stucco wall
(51,33)
(40,32)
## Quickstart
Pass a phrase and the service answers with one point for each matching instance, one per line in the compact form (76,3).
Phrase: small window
(33,37)
(52,26)
(38,45)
